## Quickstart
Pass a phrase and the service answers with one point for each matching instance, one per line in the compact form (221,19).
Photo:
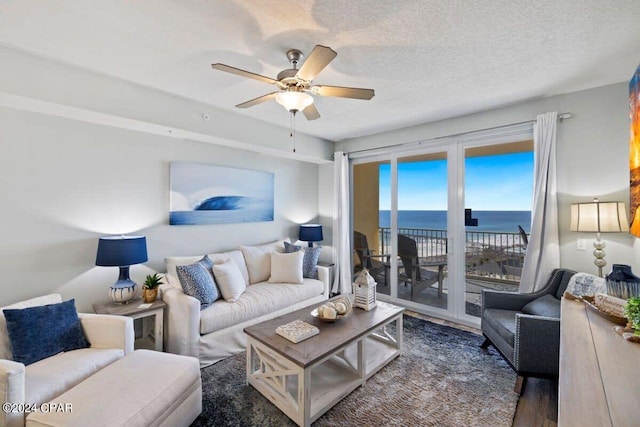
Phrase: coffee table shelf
(305,380)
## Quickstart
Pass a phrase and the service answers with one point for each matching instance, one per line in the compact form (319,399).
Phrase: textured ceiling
(426,59)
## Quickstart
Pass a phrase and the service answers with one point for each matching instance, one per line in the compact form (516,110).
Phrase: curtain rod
(560,117)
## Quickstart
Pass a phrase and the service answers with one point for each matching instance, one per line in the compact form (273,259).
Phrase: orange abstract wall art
(634,152)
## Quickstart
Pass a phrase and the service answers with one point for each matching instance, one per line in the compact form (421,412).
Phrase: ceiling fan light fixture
(294,101)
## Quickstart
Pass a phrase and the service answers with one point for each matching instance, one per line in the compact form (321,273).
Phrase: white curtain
(543,251)
(341,226)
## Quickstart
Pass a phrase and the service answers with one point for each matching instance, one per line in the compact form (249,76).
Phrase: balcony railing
(494,255)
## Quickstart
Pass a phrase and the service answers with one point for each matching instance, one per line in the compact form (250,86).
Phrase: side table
(137,309)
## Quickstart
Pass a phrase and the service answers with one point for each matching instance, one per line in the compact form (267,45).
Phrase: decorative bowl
(315,312)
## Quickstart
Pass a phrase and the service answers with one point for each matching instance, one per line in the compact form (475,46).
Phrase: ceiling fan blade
(243,73)
(343,92)
(258,100)
(311,112)
(319,58)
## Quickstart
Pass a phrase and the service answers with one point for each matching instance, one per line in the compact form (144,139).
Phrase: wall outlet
(581,245)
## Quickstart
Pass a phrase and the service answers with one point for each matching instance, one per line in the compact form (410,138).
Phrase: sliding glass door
(498,186)
(422,245)
(400,222)
(436,226)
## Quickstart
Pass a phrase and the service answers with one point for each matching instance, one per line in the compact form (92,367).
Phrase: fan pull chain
(292,134)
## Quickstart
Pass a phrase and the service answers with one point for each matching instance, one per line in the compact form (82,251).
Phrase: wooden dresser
(599,382)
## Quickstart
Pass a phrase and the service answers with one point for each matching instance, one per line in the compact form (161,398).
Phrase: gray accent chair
(525,327)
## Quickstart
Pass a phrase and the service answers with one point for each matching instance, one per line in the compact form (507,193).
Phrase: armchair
(525,327)
(111,338)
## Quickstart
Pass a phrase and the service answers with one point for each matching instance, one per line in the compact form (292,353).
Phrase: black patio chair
(377,264)
(414,270)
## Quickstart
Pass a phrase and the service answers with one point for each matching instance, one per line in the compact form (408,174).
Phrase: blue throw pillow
(197,281)
(310,260)
(43,331)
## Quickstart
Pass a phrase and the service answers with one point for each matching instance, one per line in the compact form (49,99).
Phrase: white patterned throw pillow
(582,284)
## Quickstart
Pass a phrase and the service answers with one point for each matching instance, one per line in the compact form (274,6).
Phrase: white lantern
(365,291)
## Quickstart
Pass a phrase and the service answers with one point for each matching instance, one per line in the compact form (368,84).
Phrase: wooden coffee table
(306,379)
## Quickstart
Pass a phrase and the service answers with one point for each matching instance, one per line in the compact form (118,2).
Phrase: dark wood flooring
(538,404)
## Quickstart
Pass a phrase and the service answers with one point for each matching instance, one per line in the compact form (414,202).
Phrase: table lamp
(122,252)
(599,217)
(310,233)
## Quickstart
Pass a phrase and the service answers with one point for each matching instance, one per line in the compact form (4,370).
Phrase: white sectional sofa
(216,332)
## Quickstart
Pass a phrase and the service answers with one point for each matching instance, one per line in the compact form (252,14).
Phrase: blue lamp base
(124,290)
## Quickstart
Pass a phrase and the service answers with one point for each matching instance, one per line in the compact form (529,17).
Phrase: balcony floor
(473,293)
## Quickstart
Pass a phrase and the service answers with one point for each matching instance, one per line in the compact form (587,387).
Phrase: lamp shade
(120,251)
(294,101)
(310,233)
(599,217)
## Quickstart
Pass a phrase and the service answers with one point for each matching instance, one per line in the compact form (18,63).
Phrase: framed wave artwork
(634,152)
(206,194)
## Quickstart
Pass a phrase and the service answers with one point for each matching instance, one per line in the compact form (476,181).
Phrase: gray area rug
(443,378)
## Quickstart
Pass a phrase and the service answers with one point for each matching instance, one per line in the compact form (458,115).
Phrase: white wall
(65,183)
(32,83)
(592,155)
(84,155)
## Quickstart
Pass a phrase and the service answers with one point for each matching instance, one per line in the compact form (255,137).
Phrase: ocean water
(220,217)
(497,221)
(225,210)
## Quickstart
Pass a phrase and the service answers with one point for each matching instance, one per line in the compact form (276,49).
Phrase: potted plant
(150,287)
(632,312)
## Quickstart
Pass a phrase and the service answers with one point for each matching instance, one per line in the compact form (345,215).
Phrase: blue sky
(492,183)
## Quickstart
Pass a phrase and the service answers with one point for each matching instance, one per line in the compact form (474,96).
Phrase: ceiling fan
(295,83)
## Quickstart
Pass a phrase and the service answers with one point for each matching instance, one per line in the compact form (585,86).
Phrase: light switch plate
(581,245)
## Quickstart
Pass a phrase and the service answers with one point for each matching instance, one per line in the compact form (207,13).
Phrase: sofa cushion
(257,300)
(546,305)
(172,262)
(197,281)
(43,331)
(310,262)
(48,378)
(229,279)
(286,268)
(258,259)
(146,388)
(5,342)
(503,322)
(235,256)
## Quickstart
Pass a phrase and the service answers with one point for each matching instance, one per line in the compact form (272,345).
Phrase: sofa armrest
(107,331)
(324,275)
(537,344)
(12,390)
(181,321)
(504,300)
